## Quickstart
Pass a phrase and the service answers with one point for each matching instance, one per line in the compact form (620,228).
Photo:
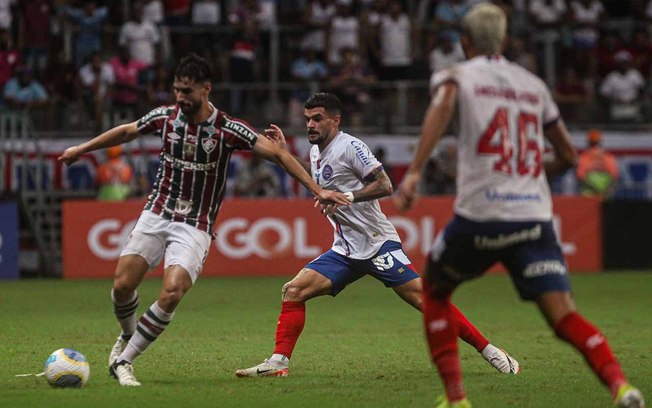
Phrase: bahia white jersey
(360,228)
(502,111)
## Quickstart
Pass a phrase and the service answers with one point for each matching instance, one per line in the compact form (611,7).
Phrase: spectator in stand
(6,13)
(317,20)
(307,69)
(586,15)
(446,53)
(257,178)
(35,20)
(176,18)
(603,60)
(622,89)
(518,51)
(448,16)
(23,92)
(571,94)
(343,32)
(114,177)
(127,72)
(206,15)
(159,91)
(243,64)
(369,25)
(597,169)
(351,80)
(62,84)
(154,11)
(395,40)
(88,23)
(97,79)
(9,58)
(641,49)
(547,17)
(141,37)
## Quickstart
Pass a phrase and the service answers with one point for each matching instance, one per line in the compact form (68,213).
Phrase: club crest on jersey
(208,144)
(327,172)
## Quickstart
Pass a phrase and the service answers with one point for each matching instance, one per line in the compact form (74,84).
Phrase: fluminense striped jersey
(191,177)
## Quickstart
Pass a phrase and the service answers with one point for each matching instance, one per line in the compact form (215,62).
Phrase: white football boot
(117,349)
(264,369)
(500,360)
(124,373)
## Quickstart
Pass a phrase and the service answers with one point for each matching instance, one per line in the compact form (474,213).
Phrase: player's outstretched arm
(270,151)
(565,154)
(275,134)
(113,137)
(439,113)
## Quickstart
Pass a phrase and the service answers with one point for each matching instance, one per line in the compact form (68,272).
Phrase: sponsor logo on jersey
(208,144)
(362,151)
(505,240)
(210,130)
(161,110)
(327,172)
(240,129)
(189,149)
(493,195)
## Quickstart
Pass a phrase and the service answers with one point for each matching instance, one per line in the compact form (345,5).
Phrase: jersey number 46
(502,145)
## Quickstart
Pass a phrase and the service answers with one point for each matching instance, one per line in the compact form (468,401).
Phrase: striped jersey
(502,111)
(191,177)
(360,229)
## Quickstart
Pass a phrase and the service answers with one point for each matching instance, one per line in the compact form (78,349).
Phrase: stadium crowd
(114,57)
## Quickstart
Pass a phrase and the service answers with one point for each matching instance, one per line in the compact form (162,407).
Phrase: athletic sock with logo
(440,326)
(468,332)
(589,341)
(150,326)
(125,312)
(289,327)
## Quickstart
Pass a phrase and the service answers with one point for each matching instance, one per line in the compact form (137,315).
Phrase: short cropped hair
(331,103)
(195,68)
(486,26)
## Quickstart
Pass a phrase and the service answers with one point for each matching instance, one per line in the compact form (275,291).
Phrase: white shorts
(182,244)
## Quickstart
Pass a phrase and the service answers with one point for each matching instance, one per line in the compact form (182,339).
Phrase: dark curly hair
(195,68)
(328,101)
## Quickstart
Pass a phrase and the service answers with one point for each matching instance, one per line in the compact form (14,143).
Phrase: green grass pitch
(364,348)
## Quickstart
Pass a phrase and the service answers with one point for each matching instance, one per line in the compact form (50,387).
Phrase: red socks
(588,340)
(440,323)
(468,332)
(289,328)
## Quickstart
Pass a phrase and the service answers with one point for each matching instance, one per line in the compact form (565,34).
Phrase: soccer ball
(67,368)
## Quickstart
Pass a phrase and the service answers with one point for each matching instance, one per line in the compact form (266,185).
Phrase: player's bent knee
(294,293)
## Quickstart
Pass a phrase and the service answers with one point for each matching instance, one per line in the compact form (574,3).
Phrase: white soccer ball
(67,368)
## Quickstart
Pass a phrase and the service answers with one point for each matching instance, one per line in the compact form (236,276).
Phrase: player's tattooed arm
(377,185)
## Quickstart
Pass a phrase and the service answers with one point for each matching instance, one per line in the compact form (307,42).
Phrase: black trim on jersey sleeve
(551,123)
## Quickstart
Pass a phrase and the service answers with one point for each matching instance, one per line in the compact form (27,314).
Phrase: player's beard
(189,108)
(315,137)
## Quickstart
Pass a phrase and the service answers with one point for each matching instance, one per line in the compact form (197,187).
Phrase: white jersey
(502,112)
(360,228)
